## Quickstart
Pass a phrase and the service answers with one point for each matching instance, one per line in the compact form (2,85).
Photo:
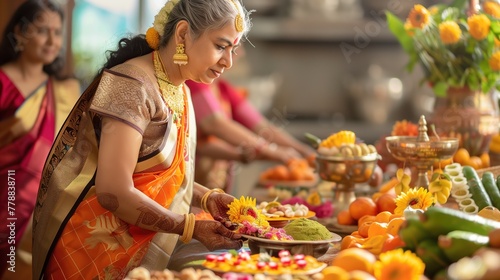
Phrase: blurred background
(314,66)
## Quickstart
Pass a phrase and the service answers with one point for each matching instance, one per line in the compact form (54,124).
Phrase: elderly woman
(118,183)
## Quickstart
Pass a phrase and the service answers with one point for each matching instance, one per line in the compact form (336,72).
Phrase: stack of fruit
(343,144)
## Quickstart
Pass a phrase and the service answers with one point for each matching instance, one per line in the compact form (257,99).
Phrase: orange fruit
(352,259)
(366,218)
(461,156)
(334,273)
(386,202)
(383,217)
(360,275)
(349,241)
(393,243)
(363,228)
(344,218)
(485,160)
(394,225)
(362,206)
(377,228)
(475,162)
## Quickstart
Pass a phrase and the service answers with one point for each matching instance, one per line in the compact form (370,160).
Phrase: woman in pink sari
(34,101)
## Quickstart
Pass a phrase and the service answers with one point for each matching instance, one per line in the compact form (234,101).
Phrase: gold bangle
(204,199)
(187,234)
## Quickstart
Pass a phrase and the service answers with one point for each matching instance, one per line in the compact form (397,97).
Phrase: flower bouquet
(457,45)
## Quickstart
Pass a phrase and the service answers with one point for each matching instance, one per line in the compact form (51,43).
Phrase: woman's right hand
(215,236)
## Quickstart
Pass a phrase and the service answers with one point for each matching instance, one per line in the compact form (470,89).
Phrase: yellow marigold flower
(398,264)
(479,26)
(492,8)
(416,198)
(495,61)
(450,32)
(419,16)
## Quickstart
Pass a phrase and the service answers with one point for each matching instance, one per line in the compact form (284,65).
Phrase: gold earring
(180,57)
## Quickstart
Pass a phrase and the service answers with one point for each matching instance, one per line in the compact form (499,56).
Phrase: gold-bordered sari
(164,172)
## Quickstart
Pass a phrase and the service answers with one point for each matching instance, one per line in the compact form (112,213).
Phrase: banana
(356,150)
(346,151)
(403,184)
(364,149)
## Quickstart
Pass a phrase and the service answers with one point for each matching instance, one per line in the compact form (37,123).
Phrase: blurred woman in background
(35,99)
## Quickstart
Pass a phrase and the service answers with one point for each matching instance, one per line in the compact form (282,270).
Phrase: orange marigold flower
(450,32)
(153,38)
(495,61)
(419,16)
(492,8)
(409,28)
(497,42)
(479,26)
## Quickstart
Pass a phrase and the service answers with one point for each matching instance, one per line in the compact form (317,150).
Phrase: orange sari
(74,237)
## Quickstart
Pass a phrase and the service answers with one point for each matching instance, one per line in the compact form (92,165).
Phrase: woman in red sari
(34,101)
(117,187)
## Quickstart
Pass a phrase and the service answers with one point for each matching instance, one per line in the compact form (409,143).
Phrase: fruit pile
(343,144)
(295,170)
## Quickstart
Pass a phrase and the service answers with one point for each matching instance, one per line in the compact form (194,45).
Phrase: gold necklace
(172,94)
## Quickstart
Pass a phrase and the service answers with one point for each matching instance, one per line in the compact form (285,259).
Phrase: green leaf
(495,27)
(396,26)
(459,4)
(440,89)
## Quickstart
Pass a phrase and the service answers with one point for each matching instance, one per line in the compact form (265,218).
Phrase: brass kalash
(346,172)
(421,151)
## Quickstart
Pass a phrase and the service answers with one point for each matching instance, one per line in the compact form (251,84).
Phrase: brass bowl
(347,170)
(421,154)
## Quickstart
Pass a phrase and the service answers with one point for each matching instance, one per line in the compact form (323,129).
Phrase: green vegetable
(476,188)
(412,233)
(433,256)
(459,244)
(441,220)
(488,180)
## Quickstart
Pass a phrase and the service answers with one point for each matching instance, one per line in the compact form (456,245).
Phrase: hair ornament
(154,33)
(238,21)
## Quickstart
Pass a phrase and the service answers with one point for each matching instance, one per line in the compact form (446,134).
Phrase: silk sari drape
(74,237)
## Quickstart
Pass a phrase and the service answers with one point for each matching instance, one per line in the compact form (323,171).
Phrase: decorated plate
(335,238)
(270,266)
(316,248)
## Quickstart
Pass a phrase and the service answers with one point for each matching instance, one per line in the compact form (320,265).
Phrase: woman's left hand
(218,205)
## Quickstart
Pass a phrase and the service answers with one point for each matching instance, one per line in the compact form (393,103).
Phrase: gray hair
(205,15)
